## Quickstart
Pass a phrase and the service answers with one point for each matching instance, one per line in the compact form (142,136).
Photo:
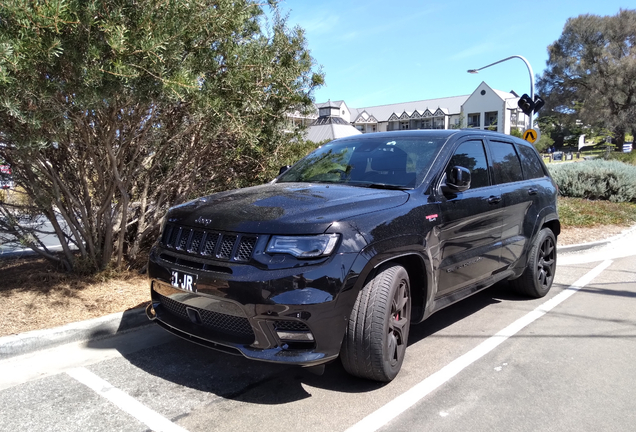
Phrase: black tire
(537,278)
(378,329)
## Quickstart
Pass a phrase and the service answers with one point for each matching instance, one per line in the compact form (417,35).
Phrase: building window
(404,125)
(438,123)
(427,124)
(473,121)
(491,120)
(360,128)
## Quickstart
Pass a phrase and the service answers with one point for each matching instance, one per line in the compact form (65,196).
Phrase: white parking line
(397,406)
(125,402)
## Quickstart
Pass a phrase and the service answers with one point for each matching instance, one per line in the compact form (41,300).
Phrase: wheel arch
(553,224)
(409,251)
(419,273)
(419,284)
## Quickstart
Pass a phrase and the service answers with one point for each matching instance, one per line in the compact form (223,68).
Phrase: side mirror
(283,169)
(457,180)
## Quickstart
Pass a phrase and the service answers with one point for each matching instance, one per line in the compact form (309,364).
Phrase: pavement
(122,322)
(50,240)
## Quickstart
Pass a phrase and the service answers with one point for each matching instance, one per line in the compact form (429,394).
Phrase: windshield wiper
(387,186)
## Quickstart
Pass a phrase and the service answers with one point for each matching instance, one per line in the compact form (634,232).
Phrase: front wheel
(377,332)
(537,278)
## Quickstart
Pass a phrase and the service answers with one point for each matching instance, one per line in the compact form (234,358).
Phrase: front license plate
(184,281)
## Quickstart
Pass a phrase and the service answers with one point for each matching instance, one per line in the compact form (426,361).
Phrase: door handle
(494,200)
(532,191)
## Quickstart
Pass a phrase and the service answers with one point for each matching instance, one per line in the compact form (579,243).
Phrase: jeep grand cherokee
(365,236)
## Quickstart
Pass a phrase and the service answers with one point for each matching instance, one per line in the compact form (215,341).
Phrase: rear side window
(471,155)
(532,166)
(505,162)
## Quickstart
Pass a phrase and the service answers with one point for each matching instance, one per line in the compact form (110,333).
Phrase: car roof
(434,133)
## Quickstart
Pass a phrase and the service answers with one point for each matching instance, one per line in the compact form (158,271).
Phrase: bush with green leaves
(596,180)
(112,111)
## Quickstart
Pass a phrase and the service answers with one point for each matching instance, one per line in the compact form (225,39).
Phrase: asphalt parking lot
(496,361)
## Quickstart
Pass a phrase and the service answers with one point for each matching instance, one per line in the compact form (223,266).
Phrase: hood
(283,208)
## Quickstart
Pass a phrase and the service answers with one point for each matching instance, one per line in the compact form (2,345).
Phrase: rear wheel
(537,278)
(377,333)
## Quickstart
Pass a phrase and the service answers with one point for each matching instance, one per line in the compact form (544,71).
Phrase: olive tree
(113,110)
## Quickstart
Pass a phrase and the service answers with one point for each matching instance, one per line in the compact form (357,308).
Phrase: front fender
(410,251)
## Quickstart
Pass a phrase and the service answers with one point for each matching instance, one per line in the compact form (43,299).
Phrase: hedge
(596,180)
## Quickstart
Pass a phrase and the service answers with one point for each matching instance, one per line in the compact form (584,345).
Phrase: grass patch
(628,158)
(579,212)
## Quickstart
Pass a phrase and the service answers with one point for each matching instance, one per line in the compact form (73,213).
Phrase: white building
(485,108)
(332,123)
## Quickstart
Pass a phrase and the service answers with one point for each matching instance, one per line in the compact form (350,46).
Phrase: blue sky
(380,52)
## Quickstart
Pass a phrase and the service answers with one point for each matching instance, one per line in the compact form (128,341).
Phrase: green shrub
(596,180)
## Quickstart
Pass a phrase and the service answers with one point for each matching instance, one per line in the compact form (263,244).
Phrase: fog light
(304,336)
(150,312)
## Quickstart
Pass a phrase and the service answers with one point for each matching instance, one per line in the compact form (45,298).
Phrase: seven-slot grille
(213,244)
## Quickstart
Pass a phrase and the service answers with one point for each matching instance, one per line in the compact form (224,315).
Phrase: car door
(518,196)
(471,221)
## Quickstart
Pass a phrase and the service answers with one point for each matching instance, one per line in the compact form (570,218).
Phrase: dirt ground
(36,295)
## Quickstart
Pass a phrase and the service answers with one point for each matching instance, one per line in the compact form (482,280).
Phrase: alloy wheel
(398,323)
(546,262)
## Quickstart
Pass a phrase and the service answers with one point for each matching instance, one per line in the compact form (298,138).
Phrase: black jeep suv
(365,236)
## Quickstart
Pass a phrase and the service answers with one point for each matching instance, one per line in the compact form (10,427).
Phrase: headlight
(303,246)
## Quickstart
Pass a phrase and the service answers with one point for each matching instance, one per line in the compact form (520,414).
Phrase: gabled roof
(510,98)
(418,109)
(501,94)
(365,117)
(505,95)
(450,105)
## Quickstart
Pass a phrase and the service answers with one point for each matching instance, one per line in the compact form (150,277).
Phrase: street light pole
(474,71)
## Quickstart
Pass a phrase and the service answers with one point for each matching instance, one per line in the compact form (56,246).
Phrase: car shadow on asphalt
(233,377)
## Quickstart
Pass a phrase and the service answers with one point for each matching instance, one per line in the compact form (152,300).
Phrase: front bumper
(292,316)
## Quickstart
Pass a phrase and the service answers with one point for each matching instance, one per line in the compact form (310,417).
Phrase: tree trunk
(619,137)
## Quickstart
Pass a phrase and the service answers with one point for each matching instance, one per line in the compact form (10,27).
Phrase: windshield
(395,163)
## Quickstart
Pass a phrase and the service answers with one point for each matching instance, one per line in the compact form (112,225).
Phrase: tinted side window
(471,155)
(532,166)
(505,162)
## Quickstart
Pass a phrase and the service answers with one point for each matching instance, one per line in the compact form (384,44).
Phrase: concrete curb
(93,329)
(590,245)
(117,323)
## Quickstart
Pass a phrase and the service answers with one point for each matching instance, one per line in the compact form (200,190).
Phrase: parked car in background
(6,177)
(365,236)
